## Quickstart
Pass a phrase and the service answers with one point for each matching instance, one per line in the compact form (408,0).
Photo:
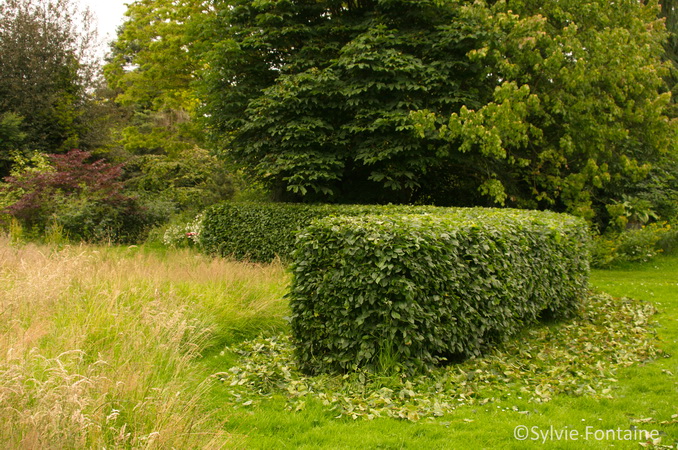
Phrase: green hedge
(412,290)
(262,231)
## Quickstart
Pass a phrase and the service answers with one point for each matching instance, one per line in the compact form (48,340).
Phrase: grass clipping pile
(578,357)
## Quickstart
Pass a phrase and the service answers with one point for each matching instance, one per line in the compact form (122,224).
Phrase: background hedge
(411,290)
(262,231)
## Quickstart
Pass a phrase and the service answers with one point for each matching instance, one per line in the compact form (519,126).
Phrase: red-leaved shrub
(85,198)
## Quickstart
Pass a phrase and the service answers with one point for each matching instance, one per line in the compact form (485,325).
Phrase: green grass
(645,397)
(102,346)
(116,347)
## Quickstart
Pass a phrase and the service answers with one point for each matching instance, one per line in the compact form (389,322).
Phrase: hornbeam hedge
(263,231)
(411,291)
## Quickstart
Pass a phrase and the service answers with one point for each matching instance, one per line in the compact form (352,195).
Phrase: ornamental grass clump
(409,292)
(102,347)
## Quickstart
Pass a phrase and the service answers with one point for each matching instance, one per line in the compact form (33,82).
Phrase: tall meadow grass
(99,346)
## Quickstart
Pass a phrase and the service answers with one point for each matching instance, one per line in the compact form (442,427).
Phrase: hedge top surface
(264,231)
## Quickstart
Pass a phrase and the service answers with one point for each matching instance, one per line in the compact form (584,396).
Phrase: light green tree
(151,69)
(579,114)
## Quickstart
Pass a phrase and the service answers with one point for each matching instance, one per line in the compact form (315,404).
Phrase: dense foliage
(411,291)
(549,105)
(11,140)
(150,73)
(80,198)
(560,104)
(634,245)
(579,112)
(150,70)
(189,181)
(265,231)
(46,70)
(313,98)
(670,14)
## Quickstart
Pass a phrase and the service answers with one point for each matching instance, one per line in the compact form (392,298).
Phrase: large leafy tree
(670,15)
(46,70)
(558,104)
(579,112)
(151,69)
(313,97)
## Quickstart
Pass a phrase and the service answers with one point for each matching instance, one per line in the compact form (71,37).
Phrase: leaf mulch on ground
(578,357)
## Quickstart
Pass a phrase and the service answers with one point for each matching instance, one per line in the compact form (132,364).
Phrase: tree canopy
(556,104)
(46,70)
(580,111)
(314,97)
(151,69)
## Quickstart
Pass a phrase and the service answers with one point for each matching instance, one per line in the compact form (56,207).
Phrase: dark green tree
(11,140)
(313,97)
(669,13)
(558,104)
(46,70)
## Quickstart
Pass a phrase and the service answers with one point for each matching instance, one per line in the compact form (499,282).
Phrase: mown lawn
(117,347)
(644,397)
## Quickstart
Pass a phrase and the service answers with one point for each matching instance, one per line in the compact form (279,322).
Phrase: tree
(579,115)
(190,182)
(151,69)
(11,140)
(579,112)
(558,104)
(313,97)
(670,15)
(151,72)
(46,69)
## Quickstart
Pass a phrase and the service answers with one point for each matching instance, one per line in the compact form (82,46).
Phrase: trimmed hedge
(415,290)
(263,231)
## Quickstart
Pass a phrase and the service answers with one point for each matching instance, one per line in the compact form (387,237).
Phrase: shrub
(633,245)
(184,234)
(190,181)
(668,241)
(415,290)
(83,198)
(264,231)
